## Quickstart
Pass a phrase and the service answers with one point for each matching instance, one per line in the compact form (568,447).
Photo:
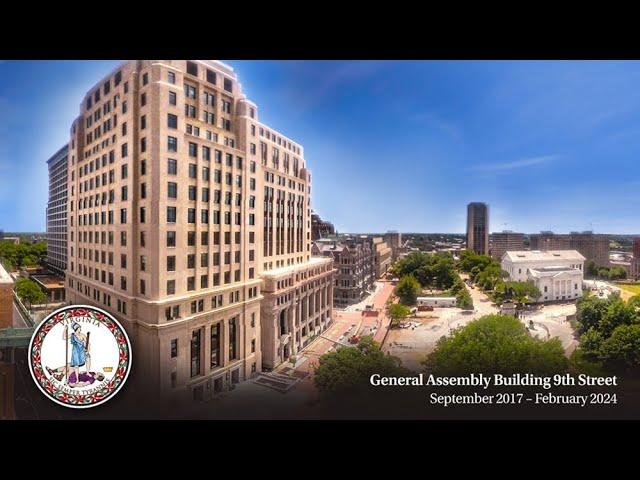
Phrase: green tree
(519,292)
(29,291)
(398,312)
(591,269)
(589,312)
(590,343)
(617,273)
(617,313)
(489,277)
(408,290)
(464,300)
(349,368)
(495,344)
(621,351)
(634,302)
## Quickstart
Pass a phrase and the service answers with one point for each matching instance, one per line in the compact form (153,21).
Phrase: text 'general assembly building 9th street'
(190,220)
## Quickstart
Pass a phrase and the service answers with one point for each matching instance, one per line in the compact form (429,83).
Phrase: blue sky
(394,145)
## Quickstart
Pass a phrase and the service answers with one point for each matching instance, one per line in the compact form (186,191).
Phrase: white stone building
(558,274)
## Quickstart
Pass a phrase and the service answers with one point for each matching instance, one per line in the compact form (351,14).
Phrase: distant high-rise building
(478,227)
(394,240)
(320,228)
(594,247)
(504,241)
(57,211)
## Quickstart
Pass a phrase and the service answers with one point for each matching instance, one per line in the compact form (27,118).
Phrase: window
(233,348)
(172,190)
(172,120)
(172,313)
(171,238)
(143,122)
(171,214)
(143,99)
(215,346)
(192,68)
(145,79)
(193,150)
(171,287)
(172,144)
(191,215)
(228,85)
(172,166)
(195,353)
(171,263)
(189,91)
(174,346)
(211,76)
(191,283)
(173,99)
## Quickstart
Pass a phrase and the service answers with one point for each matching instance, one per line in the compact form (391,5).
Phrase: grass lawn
(635,289)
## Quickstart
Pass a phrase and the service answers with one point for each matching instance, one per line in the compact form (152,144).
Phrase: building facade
(57,211)
(503,241)
(394,240)
(558,274)
(354,263)
(478,228)
(6,298)
(635,261)
(320,228)
(594,247)
(182,205)
(381,256)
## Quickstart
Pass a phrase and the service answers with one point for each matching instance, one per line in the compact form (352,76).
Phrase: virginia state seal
(80,356)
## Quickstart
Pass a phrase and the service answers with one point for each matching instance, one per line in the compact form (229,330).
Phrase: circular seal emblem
(80,356)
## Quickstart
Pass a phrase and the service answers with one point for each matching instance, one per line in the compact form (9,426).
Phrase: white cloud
(515,164)
(439,123)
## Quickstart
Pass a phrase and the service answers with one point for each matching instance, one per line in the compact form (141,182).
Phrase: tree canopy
(609,331)
(24,254)
(397,312)
(432,270)
(29,291)
(349,368)
(408,289)
(495,344)
(519,292)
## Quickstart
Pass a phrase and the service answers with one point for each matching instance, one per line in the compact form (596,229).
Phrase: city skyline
(548,145)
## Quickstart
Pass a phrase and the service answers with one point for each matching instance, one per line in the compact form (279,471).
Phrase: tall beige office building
(189,220)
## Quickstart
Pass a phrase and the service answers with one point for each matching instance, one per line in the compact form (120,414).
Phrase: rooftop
(313,262)
(4,276)
(49,281)
(537,255)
